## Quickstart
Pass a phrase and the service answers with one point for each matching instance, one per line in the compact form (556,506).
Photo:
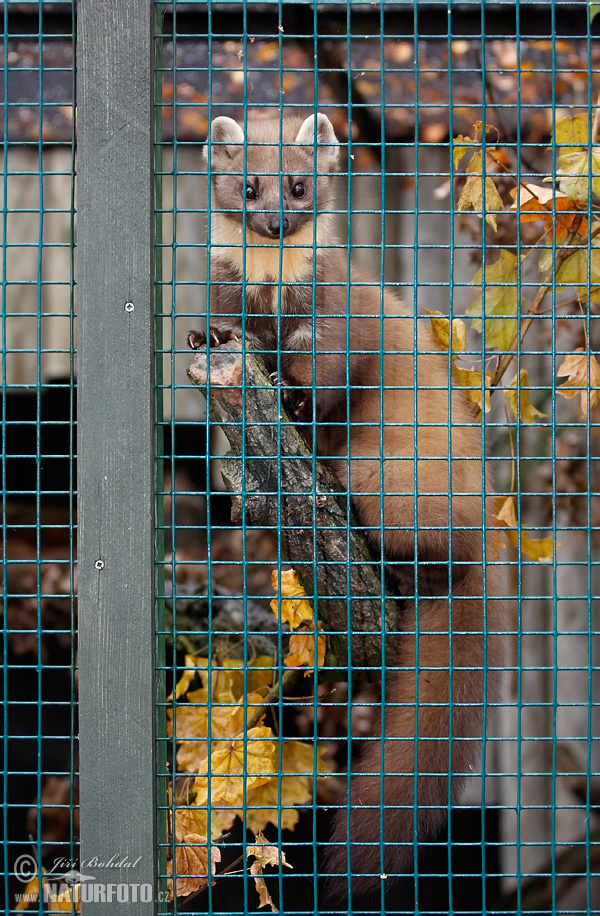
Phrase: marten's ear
(225,131)
(329,146)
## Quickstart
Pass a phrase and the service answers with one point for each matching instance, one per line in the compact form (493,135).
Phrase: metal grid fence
(37,414)
(218,727)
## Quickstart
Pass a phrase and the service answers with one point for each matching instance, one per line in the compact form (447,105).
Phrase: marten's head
(268,178)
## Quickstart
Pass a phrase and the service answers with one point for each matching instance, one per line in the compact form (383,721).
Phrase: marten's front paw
(197,339)
(295,400)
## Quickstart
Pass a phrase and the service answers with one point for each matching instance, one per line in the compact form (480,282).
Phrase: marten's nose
(275,226)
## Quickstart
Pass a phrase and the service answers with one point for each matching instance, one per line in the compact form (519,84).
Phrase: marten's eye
(251,192)
(299,189)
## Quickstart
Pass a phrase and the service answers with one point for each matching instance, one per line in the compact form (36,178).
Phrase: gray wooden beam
(116,454)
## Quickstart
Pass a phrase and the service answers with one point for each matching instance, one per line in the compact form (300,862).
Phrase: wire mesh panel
(40,818)
(381,479)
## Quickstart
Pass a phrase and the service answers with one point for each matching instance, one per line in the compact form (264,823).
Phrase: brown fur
(358,317)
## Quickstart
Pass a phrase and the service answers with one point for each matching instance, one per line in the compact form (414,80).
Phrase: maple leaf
(190,755)
(302,649)
(583,377)
(572,135)
(517,395)
(237,765)
(191,719)
(472,195)
(501,301)
(260,673)
(227,721)
(293,607)
(268,804)
(571,132)
(537,202)
(189,820)
(575,170)
(277,801)
(191,865)
(229,686)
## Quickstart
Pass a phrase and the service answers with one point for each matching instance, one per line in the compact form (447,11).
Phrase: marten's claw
(196,340)
(296,403)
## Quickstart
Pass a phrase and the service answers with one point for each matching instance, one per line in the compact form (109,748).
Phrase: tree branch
(275,481)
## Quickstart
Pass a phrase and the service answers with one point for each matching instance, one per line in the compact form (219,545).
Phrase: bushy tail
(432,727)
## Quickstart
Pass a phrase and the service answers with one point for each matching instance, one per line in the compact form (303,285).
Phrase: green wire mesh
(39,763)
(398,83)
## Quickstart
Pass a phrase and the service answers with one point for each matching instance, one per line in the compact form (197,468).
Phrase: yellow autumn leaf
(583,377)
(506,514)
(188,820)
(473,193)
(260,673)
(440,326)
(237,765)
(266,854)
(572,136)
(571,132)
(268,803)
(575,269)
(190,719)
(225,817)
(292,607)
(190,755)
(460,148)
(574,172)
(302,649)
(235,720)
(191,663)
(63,903)
(191,865)
(261,888)
(277,801)
(31,893)
(471,381)
(229,684)
(499,303)
(517,395)
(540,549)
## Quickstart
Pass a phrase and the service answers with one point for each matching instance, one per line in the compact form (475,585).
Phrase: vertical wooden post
(116,454)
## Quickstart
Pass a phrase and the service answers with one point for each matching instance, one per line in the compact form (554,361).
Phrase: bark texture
(275,481)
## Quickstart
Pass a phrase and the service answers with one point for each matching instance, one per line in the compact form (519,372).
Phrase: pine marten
(350,350)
